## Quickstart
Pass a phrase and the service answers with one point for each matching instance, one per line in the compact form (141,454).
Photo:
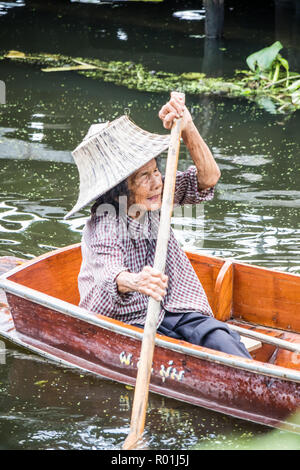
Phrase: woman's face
(145,186)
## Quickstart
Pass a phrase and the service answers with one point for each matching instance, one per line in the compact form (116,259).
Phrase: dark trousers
(202,330)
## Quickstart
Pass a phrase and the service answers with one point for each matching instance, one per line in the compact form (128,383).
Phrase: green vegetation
(268,61)
(269,82)
(277,88)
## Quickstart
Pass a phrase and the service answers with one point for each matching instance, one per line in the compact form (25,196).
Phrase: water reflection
(122,35)
(6,6)
(190,15)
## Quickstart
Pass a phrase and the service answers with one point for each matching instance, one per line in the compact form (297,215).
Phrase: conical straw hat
(110,153)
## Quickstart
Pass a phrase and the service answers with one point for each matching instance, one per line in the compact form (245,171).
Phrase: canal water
(253,218)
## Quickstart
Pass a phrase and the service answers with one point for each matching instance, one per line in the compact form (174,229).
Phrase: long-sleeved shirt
(113,243)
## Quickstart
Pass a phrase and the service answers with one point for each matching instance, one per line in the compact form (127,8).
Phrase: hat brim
(111,155)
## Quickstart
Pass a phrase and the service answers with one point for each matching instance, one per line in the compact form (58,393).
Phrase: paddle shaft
(145,364)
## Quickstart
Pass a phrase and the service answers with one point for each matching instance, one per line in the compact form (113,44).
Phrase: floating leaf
(41,382)
(69,67)
(15,55)
(192,75)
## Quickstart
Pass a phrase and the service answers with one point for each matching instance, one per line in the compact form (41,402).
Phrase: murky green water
(253,218)
(45,406)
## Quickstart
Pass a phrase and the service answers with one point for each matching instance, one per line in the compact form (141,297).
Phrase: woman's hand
(149,281)
(174,109)
(208,172)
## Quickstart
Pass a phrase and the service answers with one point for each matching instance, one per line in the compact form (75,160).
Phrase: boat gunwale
(118,327)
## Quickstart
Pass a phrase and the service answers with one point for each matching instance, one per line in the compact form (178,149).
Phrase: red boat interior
(261,299)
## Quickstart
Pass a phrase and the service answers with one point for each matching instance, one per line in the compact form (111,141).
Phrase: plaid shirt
(112,244)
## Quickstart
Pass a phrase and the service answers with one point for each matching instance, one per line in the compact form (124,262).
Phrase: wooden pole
(145,364)
(214,18)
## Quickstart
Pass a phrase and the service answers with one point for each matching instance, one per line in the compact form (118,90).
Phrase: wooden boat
(43,315)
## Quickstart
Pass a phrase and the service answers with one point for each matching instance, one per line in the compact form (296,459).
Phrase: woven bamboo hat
(110,153)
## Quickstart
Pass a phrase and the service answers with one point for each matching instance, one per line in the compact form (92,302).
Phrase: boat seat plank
(250,343)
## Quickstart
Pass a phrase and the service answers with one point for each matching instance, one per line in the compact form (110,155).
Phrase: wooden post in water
(214,18)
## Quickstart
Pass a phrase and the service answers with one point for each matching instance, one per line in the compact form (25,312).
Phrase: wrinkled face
(145,186)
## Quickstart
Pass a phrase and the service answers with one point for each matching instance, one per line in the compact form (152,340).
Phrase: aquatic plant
(269,82)
(269,77)
(267,62)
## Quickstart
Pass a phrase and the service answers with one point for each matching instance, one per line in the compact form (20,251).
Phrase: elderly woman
(118,247)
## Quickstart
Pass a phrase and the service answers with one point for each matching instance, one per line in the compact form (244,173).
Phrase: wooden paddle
(145,364)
